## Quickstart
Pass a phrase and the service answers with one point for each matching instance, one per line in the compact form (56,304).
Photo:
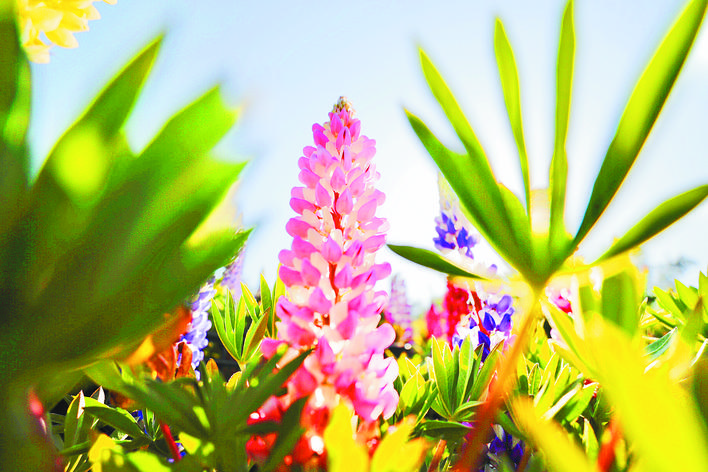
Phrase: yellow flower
(47,22)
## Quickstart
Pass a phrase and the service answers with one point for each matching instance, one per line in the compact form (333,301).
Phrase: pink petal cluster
(330,272)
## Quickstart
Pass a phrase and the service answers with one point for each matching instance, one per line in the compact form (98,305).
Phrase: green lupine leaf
(432,260)
(255,335)
(688,295)
(444,375)
(620,298)
(266,299)
(654,350)
(559,163)
(118,418)
(579,402)
(510,86)
(485,374)
(669,303)
(466,377)
(75,430)
(439,429)
(220,322)
(641,111)
(657,220)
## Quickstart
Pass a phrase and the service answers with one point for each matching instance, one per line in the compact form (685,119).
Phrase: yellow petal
(74,23)
(62,37)
(46,19)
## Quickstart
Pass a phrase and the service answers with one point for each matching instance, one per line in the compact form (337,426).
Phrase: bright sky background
(286,63)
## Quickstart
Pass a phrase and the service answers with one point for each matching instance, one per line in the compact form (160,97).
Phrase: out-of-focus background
(286,63)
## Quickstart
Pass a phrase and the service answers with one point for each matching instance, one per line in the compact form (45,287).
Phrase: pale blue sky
(287,63)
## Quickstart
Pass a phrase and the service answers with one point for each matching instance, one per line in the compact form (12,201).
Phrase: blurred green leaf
(343,453)
(641,111)
(657,220)
(398,453)
(562,455)
(681,443)
(432,260)
(510,85)
(621,295)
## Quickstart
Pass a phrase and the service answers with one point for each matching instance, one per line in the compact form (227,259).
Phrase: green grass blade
(641,112)
(657,220)
(559,163)
(432,260)
(509,76)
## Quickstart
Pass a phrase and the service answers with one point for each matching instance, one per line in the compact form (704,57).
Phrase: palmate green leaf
(470,175)
(432,260)
(510,85)
(558,238)
(641,112)
(657,220)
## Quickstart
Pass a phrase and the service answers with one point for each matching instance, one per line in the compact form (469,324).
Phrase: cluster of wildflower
(398,312)
(231,279)
(54,21)
(455,233)
(442,321)
(196,336)
(488,324)
(330,273)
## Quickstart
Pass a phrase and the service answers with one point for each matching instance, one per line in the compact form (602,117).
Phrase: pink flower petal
(344,204)
(319,302)
(310,275)
(297,227)
(318,134)
(302,248)
(289,276)
(343,278)
(309,178)
(331,251)
(322,196)
(338,180)
(367,211)
(299,205)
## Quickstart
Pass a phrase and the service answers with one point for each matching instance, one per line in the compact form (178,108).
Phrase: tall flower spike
(398,312)
(53,21)
(196,336)
(330,273)
(454,231)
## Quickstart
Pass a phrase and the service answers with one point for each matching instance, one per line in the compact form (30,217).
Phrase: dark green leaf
(118,418)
